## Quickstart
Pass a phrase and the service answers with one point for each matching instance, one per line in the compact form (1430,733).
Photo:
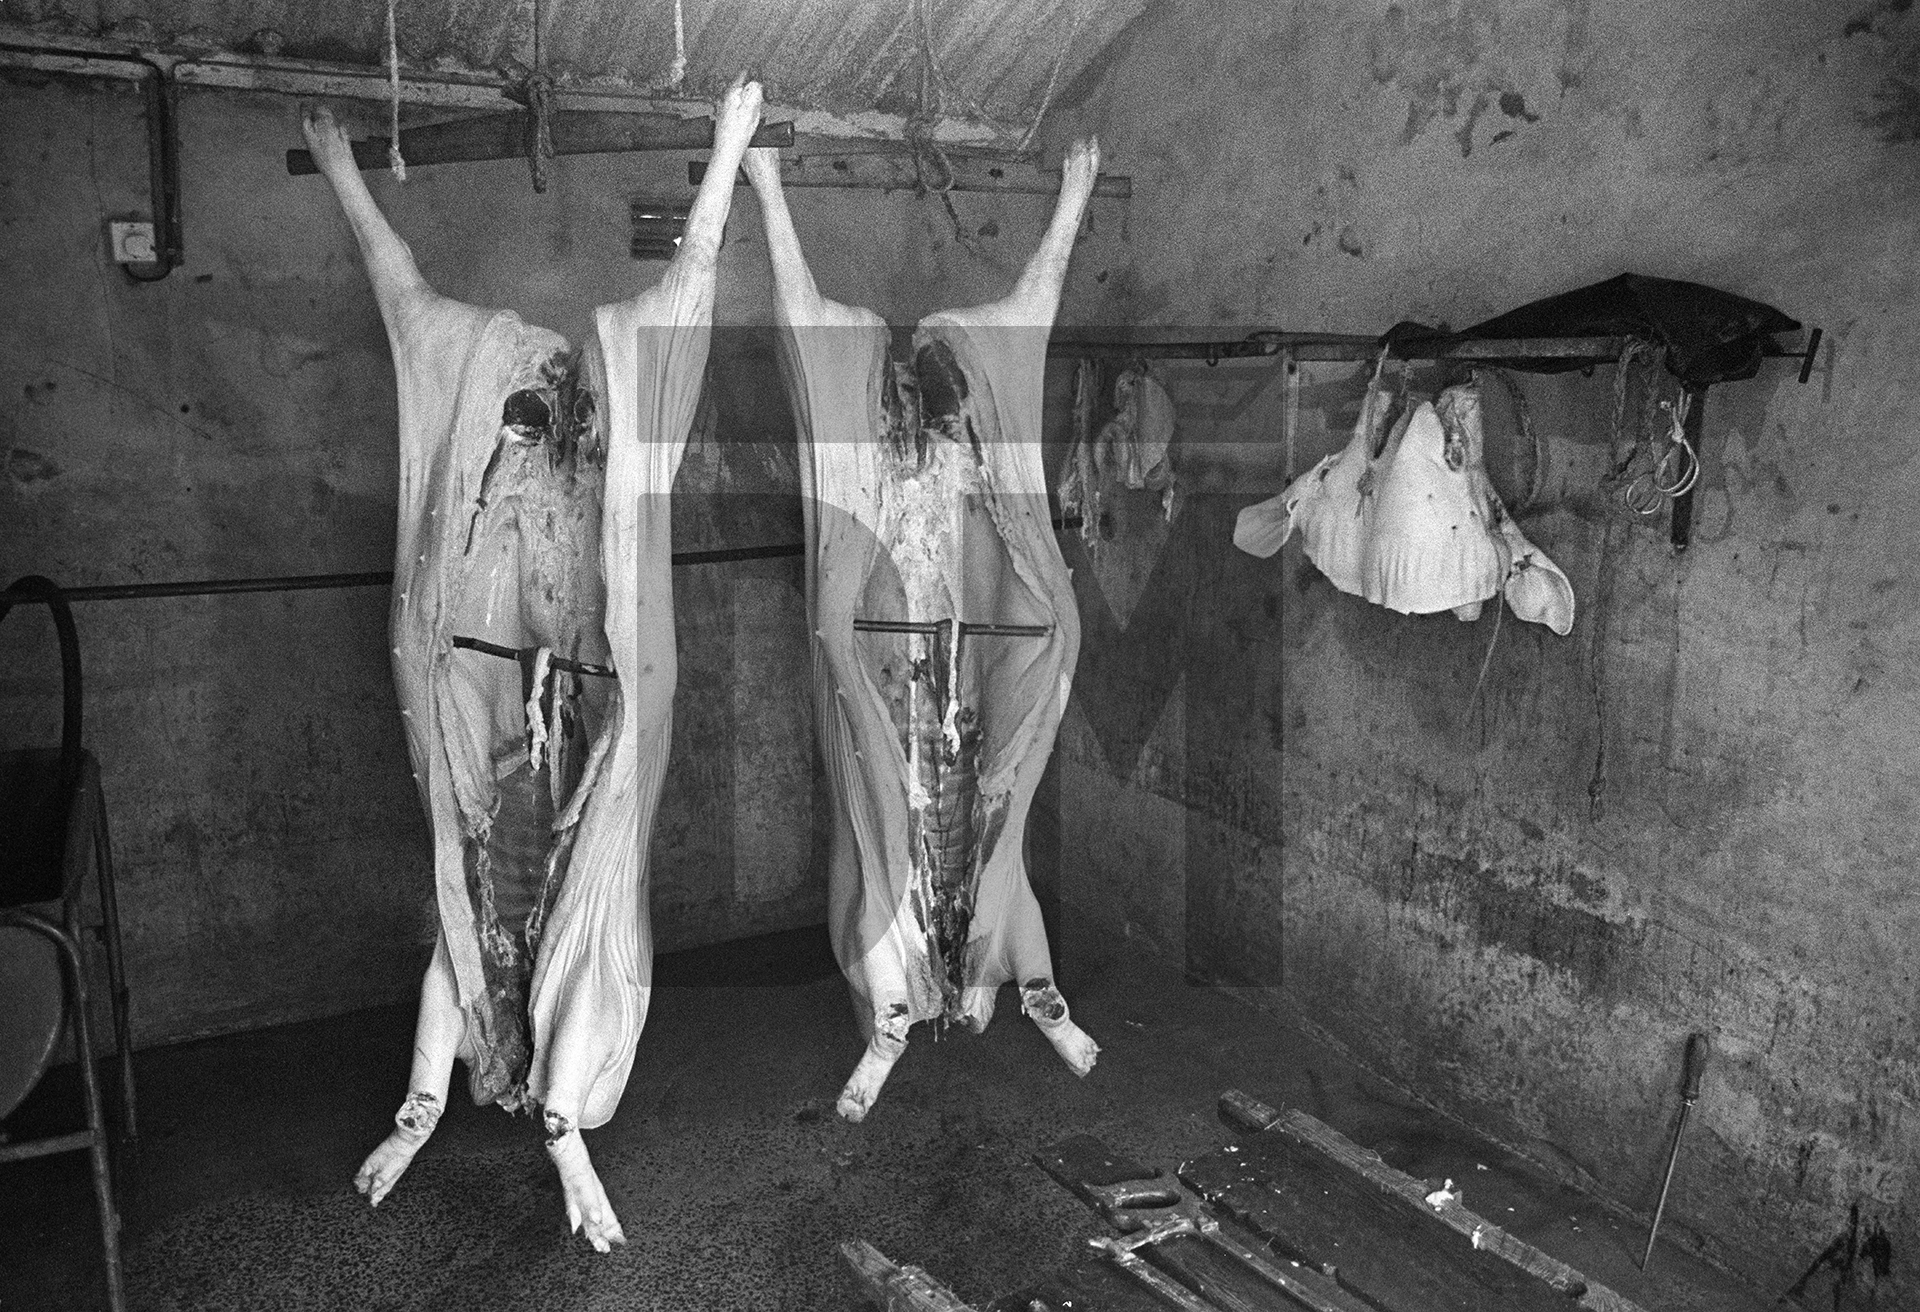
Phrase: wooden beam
(574,132)
(895,170)
(897,1288)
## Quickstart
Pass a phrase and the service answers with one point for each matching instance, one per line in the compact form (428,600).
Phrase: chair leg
(116,971)
(96,1113)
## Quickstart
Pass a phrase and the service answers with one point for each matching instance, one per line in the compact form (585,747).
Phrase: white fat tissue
(933,744)
(537,706)
(1413,524)
(533,517)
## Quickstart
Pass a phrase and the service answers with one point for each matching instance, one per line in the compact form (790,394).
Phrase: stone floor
(733,1178)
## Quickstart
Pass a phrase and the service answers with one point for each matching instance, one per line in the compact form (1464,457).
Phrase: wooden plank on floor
(1292,1126)
(1220,1281)
(1384,1248)
(894,1287)
(1170,1236)
(1091,1283)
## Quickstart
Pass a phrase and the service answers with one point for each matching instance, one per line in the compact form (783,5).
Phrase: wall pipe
(163,173)
(154,73)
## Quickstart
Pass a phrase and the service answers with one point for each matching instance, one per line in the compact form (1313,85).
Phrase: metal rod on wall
(380,578)
(1348,346)
(1356,348)
(369,579)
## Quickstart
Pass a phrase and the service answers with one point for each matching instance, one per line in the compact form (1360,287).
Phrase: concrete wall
(1286,787)
(237,420)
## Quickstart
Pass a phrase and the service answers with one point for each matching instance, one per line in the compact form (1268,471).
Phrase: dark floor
(733,1178)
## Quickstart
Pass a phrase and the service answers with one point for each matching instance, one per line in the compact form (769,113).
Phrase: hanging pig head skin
(1431,547)
(533,517)
(1332,504)
(1535,588)
(1416,525)
(926,505)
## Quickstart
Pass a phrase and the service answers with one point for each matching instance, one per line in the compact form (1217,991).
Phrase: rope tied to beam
(538,90)
(395,160)
(678,72)
(922,126)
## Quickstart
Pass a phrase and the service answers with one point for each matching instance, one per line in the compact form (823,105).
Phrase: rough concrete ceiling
(994,59)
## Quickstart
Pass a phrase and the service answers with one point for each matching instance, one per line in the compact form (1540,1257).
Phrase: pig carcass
(533,655)
(944,636)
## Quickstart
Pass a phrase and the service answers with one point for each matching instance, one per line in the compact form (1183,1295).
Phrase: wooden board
(1247,1114)
(1090,1283)
(1387,1250)
(1219,1262)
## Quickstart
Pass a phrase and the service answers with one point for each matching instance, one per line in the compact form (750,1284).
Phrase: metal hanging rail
(384,578)
(1302,347)
(1291,349)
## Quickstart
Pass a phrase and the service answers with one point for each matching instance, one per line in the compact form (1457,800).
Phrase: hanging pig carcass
(533,654)
(944,636)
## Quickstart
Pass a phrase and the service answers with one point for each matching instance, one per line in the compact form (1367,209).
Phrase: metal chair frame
(86,842)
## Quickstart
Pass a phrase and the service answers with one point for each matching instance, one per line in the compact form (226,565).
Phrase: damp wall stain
(1303,788)
(1447,60)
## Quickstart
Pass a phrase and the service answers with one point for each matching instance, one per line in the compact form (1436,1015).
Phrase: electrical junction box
(132,242)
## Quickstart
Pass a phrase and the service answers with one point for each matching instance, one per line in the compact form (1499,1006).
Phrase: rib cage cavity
(931,503)
(527,578)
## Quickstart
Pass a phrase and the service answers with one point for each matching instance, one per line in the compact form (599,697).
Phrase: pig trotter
(384,1166)
(586,1199)
(1047,1009)
(976,1007)
(889,1040)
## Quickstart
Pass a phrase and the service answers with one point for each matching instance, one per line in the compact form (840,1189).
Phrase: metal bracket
(556,662)
(942,626)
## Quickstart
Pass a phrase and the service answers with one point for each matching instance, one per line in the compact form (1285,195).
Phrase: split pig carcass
(533,655)
(944,635)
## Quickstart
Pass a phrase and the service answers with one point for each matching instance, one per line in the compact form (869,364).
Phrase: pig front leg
(1039,995)
(587,1207)
(436,1042)
(890,1023)
(1042,1003)
(885,1019)
(590,1013)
